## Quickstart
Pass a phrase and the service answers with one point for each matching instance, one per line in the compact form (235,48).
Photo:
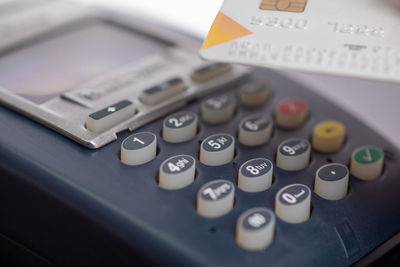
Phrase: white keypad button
(139,148)
(367,163)
(215,198)
(162,92)
(218,109)
(331,181)
(209,72)
(110,116)
(255,175)
(254,94)
(217,149)
(180,127)
(177,172)
(255,130)
(255,229)
(293,203)
(293,154)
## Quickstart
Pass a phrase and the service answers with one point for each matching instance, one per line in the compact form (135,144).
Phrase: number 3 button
(217,149)
(139,148)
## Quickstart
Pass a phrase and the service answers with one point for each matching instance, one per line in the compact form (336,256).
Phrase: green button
(368,155)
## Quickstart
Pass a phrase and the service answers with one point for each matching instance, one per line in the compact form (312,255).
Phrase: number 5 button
(139,148)
(293,203)
(217,149)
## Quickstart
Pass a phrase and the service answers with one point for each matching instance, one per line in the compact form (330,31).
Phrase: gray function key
(293,203)
(255,175)
(218,109)
(180,127)
(254,94)
(177,172)
(255,229)
(255,130)
(209,72)
(217,149)
(215,198)
(293,154)
(139,148)
(331,181)
(159,93)
(110,116)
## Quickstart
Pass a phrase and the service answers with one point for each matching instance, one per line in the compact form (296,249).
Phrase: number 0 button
(367,163)
(177,172)
(293,203)
(217,149)
(293,154)
(139,148)
(255,229)
(215,198)
(180,127)
(255,175)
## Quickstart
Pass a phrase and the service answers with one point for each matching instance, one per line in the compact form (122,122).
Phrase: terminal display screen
(45,69)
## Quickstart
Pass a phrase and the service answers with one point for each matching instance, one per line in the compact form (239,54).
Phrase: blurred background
(376,103)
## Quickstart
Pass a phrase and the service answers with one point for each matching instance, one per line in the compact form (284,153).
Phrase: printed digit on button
(367,163)
(293,203)
(254,94)
(177,172)
(255,229)
(255,130)
(217,149)
(255,175)
(215,198)
(218,109)
(180,127)
(293,154)
(139,148)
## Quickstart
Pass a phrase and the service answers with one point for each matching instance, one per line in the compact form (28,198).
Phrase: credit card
(359,38)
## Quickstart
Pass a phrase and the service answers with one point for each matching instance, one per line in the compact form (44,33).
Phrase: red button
(292,106)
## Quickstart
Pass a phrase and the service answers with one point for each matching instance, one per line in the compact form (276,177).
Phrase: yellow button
(328,136)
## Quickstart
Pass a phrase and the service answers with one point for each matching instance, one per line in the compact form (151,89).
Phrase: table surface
(373,102)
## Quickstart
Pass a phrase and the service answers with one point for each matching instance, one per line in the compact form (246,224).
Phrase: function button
(293,203)
(254,94)
(218,109)
(177,172)
(159,93)
(139,148)
(367,163)
(293,154)
(108,117)
(180,127)
(291,113)
(217,149)
(328,136)
(215,198)
(331,181)
(255,175)
(255,130)
(255,229)
(209,72)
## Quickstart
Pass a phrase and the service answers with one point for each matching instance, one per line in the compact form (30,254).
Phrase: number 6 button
(293,203)
(215,198)
(139,148)
(217,149)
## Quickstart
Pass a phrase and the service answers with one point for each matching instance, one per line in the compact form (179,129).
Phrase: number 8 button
(217,149)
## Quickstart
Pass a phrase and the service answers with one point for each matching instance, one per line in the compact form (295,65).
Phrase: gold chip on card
(284,5)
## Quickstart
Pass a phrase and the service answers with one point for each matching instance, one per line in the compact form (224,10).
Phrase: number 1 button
(293,203)
(139,148)
(217,149)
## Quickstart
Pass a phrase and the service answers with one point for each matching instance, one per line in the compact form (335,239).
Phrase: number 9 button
(255,175)
(180,127)
(177,172)
(217,149)
(293,154)
(293,203)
